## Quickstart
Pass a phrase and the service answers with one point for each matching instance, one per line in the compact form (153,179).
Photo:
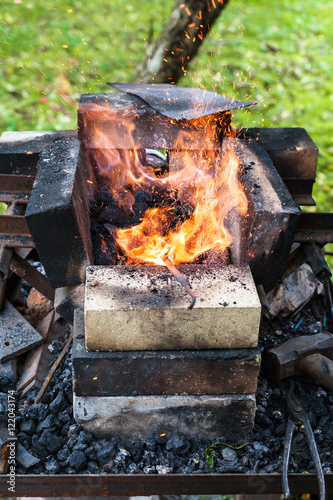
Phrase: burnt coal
(77,460)
(107,217)
(177,444)
(58,404)
(52,466)
(28,426)
(106,452)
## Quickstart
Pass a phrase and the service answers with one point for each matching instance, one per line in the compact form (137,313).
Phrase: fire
(208,186)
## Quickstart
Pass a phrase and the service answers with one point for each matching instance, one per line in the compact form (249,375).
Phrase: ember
(213,195)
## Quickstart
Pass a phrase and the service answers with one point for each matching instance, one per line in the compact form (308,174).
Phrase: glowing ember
(211,194)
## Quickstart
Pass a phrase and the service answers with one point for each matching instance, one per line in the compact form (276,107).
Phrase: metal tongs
(298,419)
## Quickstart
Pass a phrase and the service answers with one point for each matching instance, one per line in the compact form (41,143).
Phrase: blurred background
(278,53)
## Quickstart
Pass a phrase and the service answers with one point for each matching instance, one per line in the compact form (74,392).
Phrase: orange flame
(208,183)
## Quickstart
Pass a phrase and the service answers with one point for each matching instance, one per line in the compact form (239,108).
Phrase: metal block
(58,212)
(19,151)
(294,155)
(292,150)
(267,231)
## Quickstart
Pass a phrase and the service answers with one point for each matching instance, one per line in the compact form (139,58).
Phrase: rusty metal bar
(315,227)
(27,272)
(17,241)
(94,485)
(14,225)
(22,198)
(16,183)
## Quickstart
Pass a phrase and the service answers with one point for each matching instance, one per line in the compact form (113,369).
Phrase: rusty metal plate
(13,225)
(315,227)
(16,334)
(16,183)
(180,103)
(106,485)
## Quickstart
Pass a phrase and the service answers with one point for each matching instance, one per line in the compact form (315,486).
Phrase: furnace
(214,204)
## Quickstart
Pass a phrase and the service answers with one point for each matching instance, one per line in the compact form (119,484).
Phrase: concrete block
(58,212)
(138,417)
(210,371)
(145,308)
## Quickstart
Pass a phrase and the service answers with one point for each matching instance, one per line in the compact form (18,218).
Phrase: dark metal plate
(180,102)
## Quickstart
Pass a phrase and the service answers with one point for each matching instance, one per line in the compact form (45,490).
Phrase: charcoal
(92,466)
(47,443)
(3,406)
(110,467)
(260,449)
(65,429)
(177,444)
(84,437)
(55,347)
(8,375)
(229,454)
(71,442)
(91,453)
(58,404)
(52,466)
(47,423)
(151,444)
(105,249)
(28,426)
(38,412)
(77,460)
(116,216)
(74,430)
(64,417)
(105,453)
(63,454)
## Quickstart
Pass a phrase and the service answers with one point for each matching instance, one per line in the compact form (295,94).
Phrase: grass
(275,53)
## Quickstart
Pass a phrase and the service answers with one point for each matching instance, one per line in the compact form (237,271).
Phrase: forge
(156,174)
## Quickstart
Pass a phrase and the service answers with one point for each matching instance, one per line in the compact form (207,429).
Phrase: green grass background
(276,52)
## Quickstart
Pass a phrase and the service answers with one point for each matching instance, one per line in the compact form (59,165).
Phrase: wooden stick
(180,278)
(54,367)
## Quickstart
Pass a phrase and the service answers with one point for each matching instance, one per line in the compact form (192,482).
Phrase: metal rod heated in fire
(180,278)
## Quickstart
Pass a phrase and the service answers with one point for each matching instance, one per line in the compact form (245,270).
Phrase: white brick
(145,308)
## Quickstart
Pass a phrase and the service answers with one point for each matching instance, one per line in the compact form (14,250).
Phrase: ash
(48,430)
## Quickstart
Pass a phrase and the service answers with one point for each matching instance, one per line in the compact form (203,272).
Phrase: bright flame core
(208,183)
